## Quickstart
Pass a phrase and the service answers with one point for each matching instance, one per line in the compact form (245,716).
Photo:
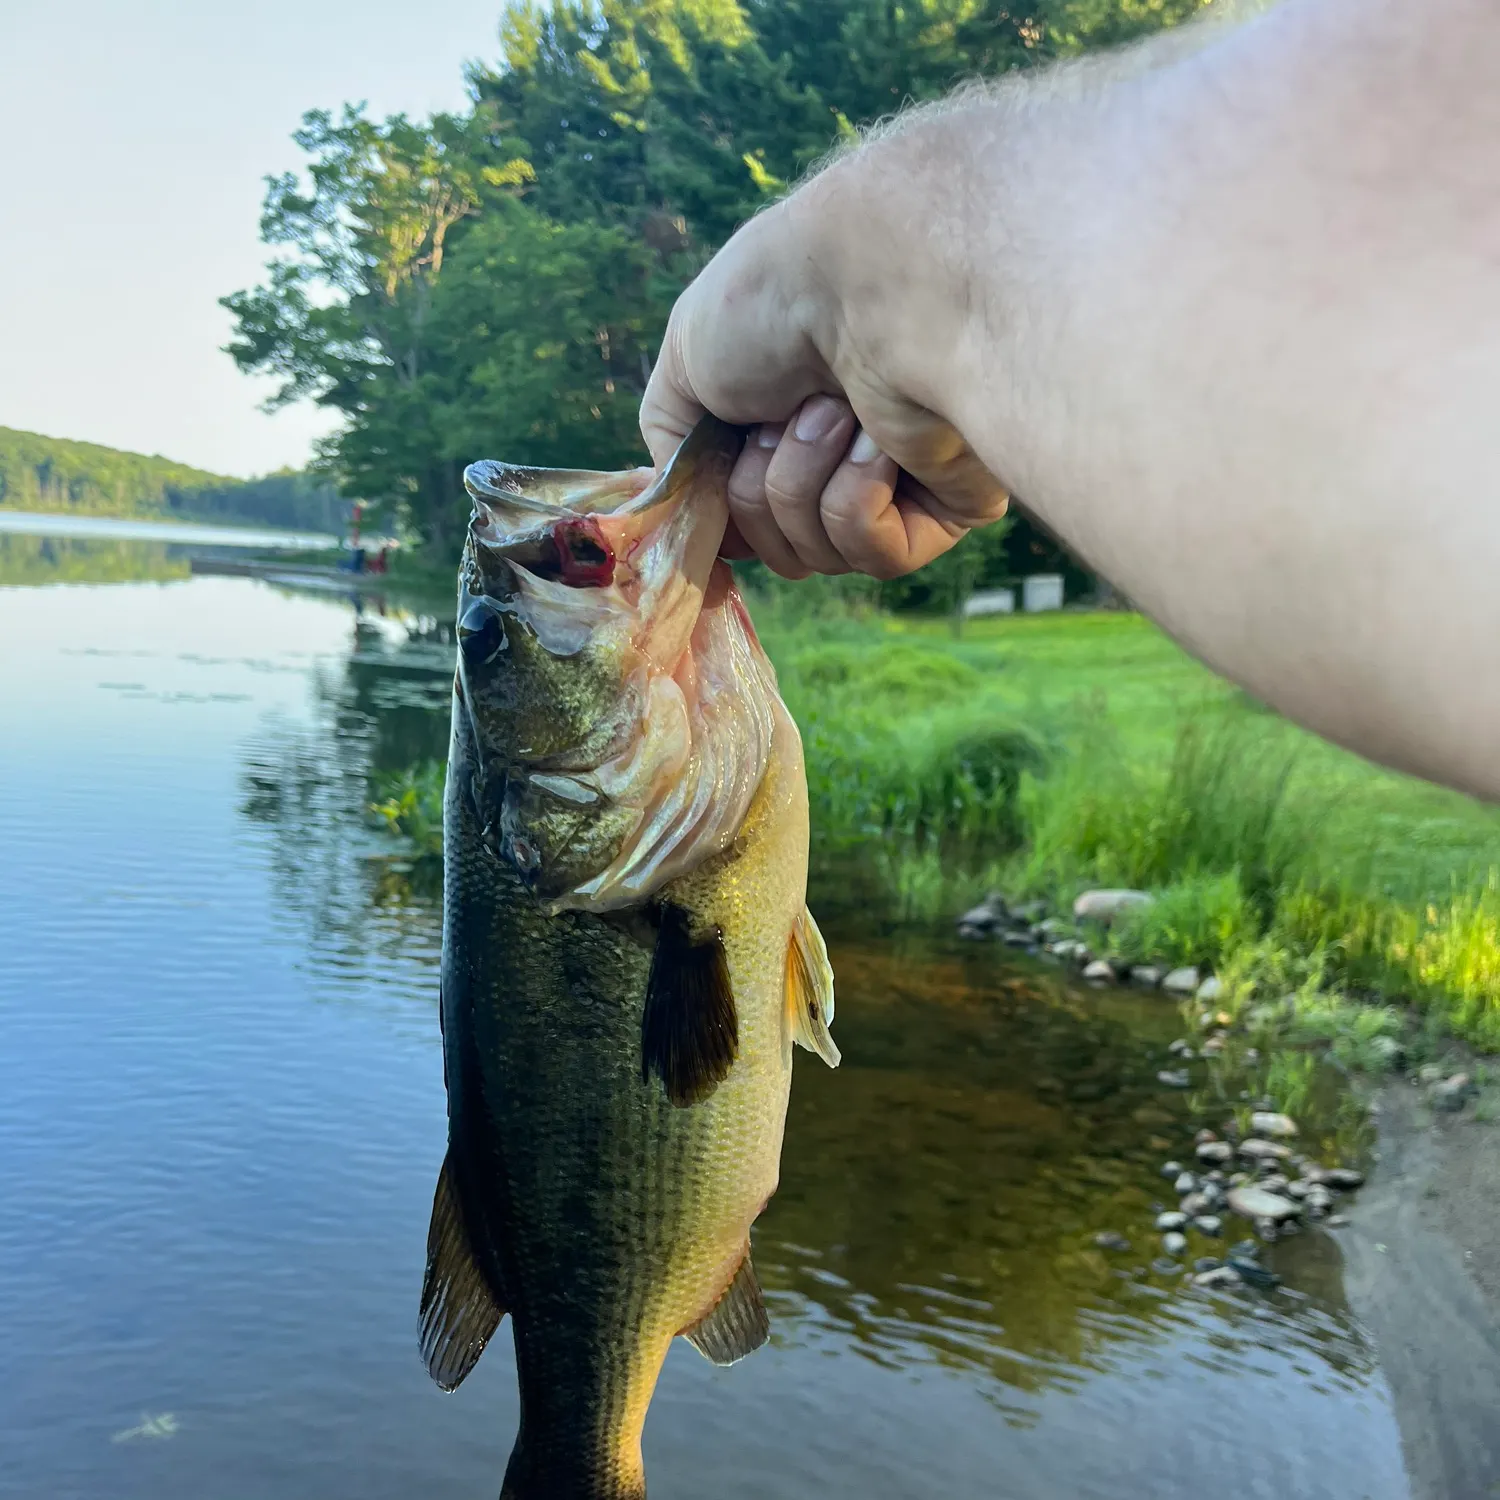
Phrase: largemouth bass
(627,955)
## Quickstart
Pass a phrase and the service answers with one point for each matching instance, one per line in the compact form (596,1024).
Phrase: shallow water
(221,1114)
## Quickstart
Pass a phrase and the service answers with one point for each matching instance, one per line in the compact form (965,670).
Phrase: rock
(1182,981)
(1216,1177)
(1318,1199)
(1211,988)
(984,917)
(1267,1122)
(1181,1079)
(1252,1056)
(1215,1153)
(1220,1276)
(1273,1182)
(1430,1073)
(1213,1046)
(1174,1244)
(1452,1093)
(1207,1263)
(1258,1150)
(1267,1228)
(1053,927)
(1167,1222)
(1015,939)
(974,934)
(1345,1179)
(1099,970)
(1194,1204)
(1165,1267)
(1337,1221)
(1070,948)
(1236,1178)
(1148,976)
(1251,1202)
(1297,1189)
(1251,1271)
(1106,906)
(1171,1168)
(1210,1224)
(1179,1048)
(1029,912)
(1209,1196)
(1111,1239)
(1185,1183)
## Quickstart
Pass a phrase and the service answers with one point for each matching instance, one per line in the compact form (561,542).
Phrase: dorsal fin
(690,1030)
(737,1324)
(809,989)
(459,1310)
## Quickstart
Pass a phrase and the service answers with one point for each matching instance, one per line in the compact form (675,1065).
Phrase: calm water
(221,1115)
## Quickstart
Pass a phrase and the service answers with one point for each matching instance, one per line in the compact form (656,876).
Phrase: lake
(222,1114)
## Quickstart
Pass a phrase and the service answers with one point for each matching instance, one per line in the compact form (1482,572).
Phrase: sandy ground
(1422,1269)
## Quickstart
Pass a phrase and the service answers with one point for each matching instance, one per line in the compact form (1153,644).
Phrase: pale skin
(1226,313)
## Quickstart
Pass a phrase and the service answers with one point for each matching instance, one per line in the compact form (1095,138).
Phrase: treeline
(57,475)
(495,282)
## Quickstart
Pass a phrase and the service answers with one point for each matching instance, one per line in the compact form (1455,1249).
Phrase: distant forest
(58,476)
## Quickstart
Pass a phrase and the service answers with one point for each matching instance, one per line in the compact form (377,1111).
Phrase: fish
(628,958)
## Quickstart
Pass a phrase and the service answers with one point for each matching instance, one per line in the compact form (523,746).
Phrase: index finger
(669,410)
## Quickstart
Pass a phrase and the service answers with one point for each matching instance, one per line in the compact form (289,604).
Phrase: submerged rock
(1108,905)
(1111,1239)
(1252,1202)
(1163,1266)
(1219,1276)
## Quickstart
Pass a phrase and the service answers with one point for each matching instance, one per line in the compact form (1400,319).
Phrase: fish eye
(480,635)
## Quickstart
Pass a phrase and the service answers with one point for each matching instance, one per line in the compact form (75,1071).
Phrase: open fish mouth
(602,596)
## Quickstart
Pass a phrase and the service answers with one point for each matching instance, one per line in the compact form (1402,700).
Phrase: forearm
(1232,327)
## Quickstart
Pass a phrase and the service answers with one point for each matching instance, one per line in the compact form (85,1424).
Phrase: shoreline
(1422,1271)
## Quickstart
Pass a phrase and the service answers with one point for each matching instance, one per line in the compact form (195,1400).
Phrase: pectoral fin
(738,1324)
(690,1029)
(809,989)
(459,1310)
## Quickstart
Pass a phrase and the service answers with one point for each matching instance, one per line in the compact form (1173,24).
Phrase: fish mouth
(585,529)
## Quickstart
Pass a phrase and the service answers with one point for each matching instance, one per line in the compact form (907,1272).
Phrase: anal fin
(690,1029)
(459,1310)
(737,1325)
(809,989)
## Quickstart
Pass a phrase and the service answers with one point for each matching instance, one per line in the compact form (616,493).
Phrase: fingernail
(818,418)
(865,449)
(768,434)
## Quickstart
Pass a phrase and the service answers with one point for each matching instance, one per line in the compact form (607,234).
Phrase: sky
(134,137)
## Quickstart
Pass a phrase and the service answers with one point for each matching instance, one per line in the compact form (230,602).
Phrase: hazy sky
(134,135)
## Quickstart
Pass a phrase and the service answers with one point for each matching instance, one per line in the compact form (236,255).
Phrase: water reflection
(48,559)
(941,1192)
(221,1114)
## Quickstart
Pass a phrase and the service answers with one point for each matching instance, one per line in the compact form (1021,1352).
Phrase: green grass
(1048,753)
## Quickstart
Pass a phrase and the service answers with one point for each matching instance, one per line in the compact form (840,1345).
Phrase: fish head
(597,648)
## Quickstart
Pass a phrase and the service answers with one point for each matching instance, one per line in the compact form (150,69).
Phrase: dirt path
(1422,1269)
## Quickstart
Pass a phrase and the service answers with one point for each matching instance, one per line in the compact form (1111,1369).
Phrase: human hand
(817,325)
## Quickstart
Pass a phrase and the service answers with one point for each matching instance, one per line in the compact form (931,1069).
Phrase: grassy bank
(1041,755)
